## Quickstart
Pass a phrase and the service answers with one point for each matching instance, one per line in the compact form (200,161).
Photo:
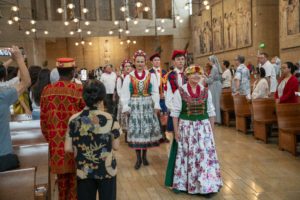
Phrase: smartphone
(83,74)
(5,52)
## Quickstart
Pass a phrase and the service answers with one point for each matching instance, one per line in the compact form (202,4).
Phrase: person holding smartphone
(8,96)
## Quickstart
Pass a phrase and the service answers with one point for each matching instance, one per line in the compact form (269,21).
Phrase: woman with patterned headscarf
(140,100)
(214,83)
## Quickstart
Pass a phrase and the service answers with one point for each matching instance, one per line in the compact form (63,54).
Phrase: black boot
(145,161)
(126,141)
(138,159)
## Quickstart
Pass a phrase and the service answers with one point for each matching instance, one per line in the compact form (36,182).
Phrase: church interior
(192,99)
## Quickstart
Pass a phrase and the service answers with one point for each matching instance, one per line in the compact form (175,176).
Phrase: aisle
(250,170)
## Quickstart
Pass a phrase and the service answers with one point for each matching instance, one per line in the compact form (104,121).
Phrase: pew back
(288,115)
(226,102)
(264,110)
(241,106)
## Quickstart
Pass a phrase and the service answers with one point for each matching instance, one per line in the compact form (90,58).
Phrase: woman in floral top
(197,169)
(93,135)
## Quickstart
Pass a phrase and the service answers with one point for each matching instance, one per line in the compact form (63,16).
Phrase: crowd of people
(143,103)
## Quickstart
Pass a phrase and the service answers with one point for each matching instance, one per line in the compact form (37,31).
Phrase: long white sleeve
(169,96)
(210,106)
(125,94)
(177,104)
(119,86)
(155,91)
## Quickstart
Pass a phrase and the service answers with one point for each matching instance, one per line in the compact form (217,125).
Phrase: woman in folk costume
(140,100)
(214,83)
(197,169)
(126,68)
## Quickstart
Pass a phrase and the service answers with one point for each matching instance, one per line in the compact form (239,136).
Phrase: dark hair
(264,54)
(3,73)
(34,71)
(179,55)
(66,72)
(241,59)
(42,80)
(226,63)
(291,66)
(262,72)
(12,72)
(93,92)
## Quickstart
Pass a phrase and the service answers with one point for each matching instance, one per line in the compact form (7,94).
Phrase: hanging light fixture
(16,18)
(76,43)
(46,32)
(27,32)
(110,32)
(127,32)
(134,42)
(89,32)
(207,7)
(10,22)
(147,30)
(66,23)
(87,23)
(32,22)
(15,8)
(138,4)
(33,30)
(123,8)
(85,10)
(71,6)
(147,9)
(76,20)
(121,43)
(71,32)
(205,2)
(135,22)
(116,22)
(120,30)
(60,10)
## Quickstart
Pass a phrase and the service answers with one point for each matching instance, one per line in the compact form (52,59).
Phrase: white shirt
(12,82)
(157,73)
(260,89)
(227,77)
(109,81)
(270,72)
(119,85)
(169,95)
(177,102)
(125,92)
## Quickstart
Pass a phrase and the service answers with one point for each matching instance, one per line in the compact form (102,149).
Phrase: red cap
(154,56)
(178,52)
(65,62)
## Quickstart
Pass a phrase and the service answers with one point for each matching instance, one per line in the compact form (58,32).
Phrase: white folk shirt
(109,81)
(270,72)
(227,78)
(125,92)
(177,102)
(157,73)
(169,94)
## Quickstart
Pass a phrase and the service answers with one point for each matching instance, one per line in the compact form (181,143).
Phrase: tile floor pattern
(250,170)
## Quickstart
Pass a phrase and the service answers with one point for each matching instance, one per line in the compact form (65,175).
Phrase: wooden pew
(27,137)
(227,106)
(288,117)
(264,116)
(242,113)
(18,184)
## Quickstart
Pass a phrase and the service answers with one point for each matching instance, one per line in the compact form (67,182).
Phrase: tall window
(105,10)
(39,9)
(54,5)
(91,6)
(119,15)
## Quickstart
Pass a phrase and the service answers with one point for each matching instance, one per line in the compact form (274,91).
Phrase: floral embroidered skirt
(197,167)
(122,118)
(143,127)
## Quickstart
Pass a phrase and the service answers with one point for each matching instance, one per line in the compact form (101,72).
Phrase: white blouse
(125,92)
(260,89)
(119,85)
(227,77)
(177,102)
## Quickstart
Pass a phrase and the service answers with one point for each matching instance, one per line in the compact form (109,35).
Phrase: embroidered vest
(194,109)
(140,88)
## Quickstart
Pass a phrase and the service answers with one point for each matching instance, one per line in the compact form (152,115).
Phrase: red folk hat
(65,62)
(178,52)
(154,56)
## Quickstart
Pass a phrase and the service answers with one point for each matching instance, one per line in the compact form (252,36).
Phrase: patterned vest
(140,88)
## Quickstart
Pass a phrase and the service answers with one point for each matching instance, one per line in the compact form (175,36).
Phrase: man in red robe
(59,101)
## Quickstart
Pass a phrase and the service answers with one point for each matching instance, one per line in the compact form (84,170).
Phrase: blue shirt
(243,75)
(8,96)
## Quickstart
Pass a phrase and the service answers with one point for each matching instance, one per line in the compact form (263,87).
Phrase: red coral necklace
(192,94)
(138,76)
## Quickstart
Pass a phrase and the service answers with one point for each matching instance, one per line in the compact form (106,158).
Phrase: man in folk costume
(175,79)
(125,69)
(160,74)
(59,101)
(140,100)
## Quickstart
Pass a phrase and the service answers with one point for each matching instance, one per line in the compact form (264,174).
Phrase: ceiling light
(71,32)
(120,30)
(136,22)
(134,42)
(146,9)
(76,43)
(46,32)
(162,30)
(127,19)
(178,17)
(89,32)
(90,43)
(82,42)
(207,7)
(158,28)
(14,8)
(138,4)
(110,32)
(121,43)
(60,10)
(116,22)
(16,18)
(75,20)
(79,30)
(87,23)
(66,23)
(85,10)
(10,22)
(147,30)
(162,21)
(181,20)
(71,6)
(32,21)
(27,32)
(123,9)
(186,7)
(205,2)
(127,32)
(128,41)
(33,30)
